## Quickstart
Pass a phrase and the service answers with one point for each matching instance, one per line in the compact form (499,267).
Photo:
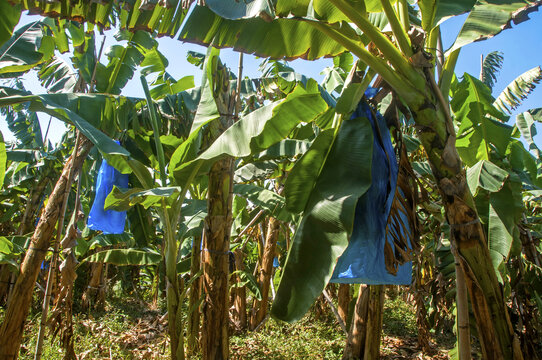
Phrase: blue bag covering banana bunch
(385,225)
(108,221)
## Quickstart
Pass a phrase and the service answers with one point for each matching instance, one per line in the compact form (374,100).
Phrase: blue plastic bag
(110,221)
(363,260)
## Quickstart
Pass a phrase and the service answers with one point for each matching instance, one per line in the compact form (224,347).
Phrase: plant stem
(265,273)
(155,129)
(250,224)
(440,55)
(238,88)
(170,220)
(16,312)
(462,301)
(404,88)
(431,44)
(172,288)
(93,77)
(392,54)
(398,31)
(445,81)
(404,16)
(52,266)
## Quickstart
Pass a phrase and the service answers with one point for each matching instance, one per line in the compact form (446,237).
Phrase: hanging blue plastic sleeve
(107,221)
(363,260)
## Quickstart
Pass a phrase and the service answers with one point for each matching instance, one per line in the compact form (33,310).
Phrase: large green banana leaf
(281,38)
(257,171)
(328,219)
(284,37)
(6,247)
(524,164)
(27,48)
(122,200)
(478,134)
(491,65)
(141,49)
(489,17)
(513,95)
(505,211)
(124,257)
(9,17)
(57,76)
(525,122)
(162,17)
(435,11)
(500,207)
(285,149)
(318,9)
(92,111)
(207,110)
(272,202)
(105,112)
(103,240)
(25,127)
(256,131)
(485,175)
(302,179)
(242,9)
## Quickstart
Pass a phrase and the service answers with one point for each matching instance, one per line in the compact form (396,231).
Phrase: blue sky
(521,46)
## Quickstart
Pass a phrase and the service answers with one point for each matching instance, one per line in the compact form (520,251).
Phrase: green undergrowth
(125,329)
(129,329)
(399,318)
(309,338)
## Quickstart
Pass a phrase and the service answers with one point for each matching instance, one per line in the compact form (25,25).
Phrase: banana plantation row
(393,171)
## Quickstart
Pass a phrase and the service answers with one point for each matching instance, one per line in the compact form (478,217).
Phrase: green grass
(127,329)
(399,318)
(306,339)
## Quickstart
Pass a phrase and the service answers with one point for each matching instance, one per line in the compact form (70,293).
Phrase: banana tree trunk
(215,258)
(418,292)
(374,322)
(19,304)
(266,270)
(92,294)
(5,276)
(25,226)
(33,204)
(343,298)
(438,138)
(239,315)
(195,294)
(363,340)
(462,302)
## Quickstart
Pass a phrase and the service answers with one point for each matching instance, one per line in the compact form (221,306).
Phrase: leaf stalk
(404,88)
(154,124)
(392,53)
(398,31)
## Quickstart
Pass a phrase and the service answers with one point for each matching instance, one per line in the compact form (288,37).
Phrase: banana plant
(252,134)
(80,110)
(406,62)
